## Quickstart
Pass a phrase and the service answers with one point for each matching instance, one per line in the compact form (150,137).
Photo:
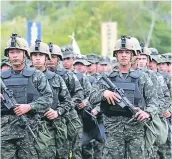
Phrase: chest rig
(130,85)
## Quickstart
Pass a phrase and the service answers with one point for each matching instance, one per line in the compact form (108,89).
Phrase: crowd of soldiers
(73,112)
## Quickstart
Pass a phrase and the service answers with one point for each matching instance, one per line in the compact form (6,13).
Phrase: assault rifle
(124,102)
(9,102)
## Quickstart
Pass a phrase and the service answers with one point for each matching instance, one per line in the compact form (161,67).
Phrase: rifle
(9,102)
(93,117)
(124,102)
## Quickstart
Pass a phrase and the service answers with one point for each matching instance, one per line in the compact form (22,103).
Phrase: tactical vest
(80,77)
(54,86)
(130,85)
(21,85)
(63,72)
(92,79)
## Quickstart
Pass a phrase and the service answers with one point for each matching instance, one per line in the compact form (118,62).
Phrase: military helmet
(154,51)
(55,50)
(136,44)
(155,58)
(41,47)
(124,43)
(68,51)
(16,42)
(145,50)
(163,59)
(168,56)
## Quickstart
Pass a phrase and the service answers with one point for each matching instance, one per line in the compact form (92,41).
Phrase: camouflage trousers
(124,140)
(74,134)
(16,141)
(165,150)
(56,134)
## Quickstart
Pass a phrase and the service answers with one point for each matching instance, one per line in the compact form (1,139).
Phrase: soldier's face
(16,56)
(100,68)
(38,59)
(53,63)
(142,61)
(124,57)
(92,68)
(80,67)
(163,67)
(153,65)
(68,62)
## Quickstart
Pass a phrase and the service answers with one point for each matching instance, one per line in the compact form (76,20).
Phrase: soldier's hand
(1,97)
(21,109)
(51,114)
(111,97)
(167,114)
(141,115)
(94,112)
(81,105)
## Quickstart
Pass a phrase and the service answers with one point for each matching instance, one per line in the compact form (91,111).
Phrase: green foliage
(61,18)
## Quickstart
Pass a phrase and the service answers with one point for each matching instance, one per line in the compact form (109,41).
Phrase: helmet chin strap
(24,59)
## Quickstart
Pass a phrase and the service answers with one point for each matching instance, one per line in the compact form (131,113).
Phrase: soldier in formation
(87,108)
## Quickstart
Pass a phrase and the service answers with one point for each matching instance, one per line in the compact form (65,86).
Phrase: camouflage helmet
(154,51)
(41,47)
(168,57)
(124,43)
(163,59)
(55,50)
(136,44)
(155,58)
(16,42)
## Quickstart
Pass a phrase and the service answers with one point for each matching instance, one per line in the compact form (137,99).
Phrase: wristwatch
(59,111)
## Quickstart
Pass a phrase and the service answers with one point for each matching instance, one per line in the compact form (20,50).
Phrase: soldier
(164,150)
(100,66)
(169,61)
(80,64)
(74,126)
(92,142)
(39,53)
(92,68)
(33,95)
(125,140)
(163,64)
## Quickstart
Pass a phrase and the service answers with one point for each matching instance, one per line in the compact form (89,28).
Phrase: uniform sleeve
(46,96)
(77,92)
(86,86)
(97,93)
(149,94)
(64,96)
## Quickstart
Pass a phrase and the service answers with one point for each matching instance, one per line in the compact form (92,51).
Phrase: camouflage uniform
(73,124)
(61,103)
(15,139)
(31,87)
(93,141)
(124,139)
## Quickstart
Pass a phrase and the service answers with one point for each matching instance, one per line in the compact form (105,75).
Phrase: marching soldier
(33,95)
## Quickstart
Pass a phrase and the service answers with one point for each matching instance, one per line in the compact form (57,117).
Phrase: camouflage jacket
(61,96)
(147,90)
